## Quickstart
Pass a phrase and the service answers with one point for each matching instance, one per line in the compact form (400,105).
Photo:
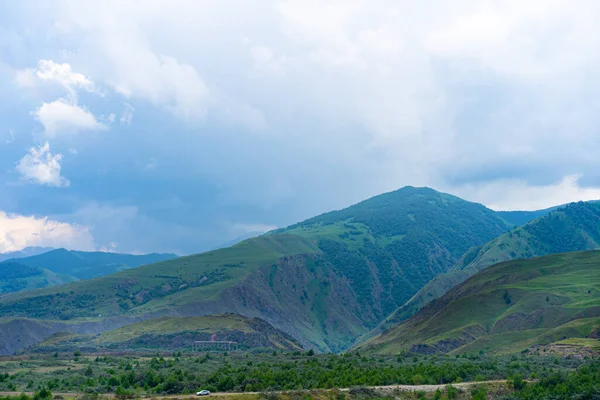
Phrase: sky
(176,126)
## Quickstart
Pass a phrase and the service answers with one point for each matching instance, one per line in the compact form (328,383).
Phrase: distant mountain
(574,227)
(505,308)
(518,218)
(87,265)
(26,252)
(15,277)
(56,267)
(324,281)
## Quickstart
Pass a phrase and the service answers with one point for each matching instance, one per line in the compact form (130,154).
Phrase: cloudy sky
(178,125)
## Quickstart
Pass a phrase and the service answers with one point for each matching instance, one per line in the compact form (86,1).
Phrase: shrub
(123,394)
(517,382)
(452,392)
(42,394)
(479,393)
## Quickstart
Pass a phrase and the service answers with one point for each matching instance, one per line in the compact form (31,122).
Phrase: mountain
(59,266)
(15,276)
(175,333)
(518,218)
(86,265)
(574,227)
(508,307)
(26,252)
(324,281)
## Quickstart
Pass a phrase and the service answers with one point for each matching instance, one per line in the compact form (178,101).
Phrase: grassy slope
(327,280)
(177,332)
(574,227)
(550,298)
(204,276)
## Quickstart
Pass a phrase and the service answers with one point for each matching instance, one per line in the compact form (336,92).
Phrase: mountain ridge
(324,281)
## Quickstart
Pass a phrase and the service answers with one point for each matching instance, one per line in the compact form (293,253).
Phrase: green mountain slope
(175,333)
(505,308)
(574,227)
(86,265)
(15,276)
(325,281)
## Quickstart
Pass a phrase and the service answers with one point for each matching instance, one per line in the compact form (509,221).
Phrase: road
(404,388)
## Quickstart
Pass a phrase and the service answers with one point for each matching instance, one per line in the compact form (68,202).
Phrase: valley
(402,294)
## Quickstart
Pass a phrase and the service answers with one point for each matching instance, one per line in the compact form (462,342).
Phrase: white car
(203,393)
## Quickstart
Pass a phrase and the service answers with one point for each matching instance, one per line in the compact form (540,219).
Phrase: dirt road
(404,388)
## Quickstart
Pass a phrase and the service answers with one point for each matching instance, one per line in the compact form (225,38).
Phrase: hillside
(324,281)
(15,276)
(86,265)
(175,333)
(506,308)
(37,267)
(574,227)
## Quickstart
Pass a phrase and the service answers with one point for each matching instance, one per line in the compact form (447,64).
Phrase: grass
(165,325)
(593,344)
(172,333)
(513,305)
(223,268)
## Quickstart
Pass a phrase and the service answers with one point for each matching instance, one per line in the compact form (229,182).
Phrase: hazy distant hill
(26,252)
(518,218)
(86,265)
(56,267)
(15,277)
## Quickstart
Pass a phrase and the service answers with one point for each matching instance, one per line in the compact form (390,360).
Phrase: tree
(123,394)
(42,394)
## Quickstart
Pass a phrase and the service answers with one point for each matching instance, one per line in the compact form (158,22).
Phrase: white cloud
(160,79)
(117,33)
(519,195)
(49,70)
(18,231)
(109,248)
(42,167)
(62,117)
